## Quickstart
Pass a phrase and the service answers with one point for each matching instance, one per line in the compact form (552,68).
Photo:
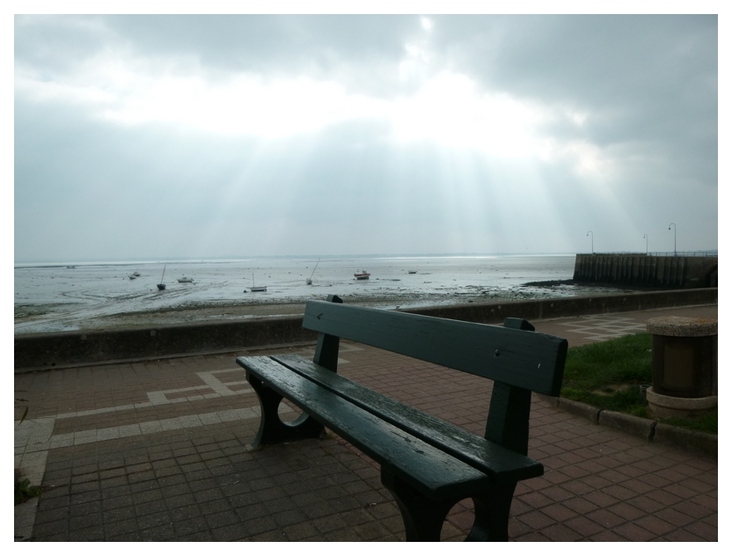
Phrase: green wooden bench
(426,463)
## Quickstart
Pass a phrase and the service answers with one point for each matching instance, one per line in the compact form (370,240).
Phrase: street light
(592,240)
(669,227)
(646,236)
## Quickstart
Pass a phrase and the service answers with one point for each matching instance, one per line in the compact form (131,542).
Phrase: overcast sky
(202,136)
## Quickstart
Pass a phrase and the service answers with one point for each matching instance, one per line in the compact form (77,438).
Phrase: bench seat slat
(427,468)
(496,461)
(528,360)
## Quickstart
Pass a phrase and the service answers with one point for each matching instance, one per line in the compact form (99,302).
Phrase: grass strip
(614,374)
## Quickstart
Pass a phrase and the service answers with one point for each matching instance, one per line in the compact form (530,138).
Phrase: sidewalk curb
(637,426)
(649,429)
(578,408)
(691,440)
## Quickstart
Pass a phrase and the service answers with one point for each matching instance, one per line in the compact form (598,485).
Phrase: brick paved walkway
(157,450)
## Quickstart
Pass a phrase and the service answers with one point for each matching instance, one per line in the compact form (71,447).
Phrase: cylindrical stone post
(684,366)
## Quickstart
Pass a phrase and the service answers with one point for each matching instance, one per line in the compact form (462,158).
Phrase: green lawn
(612,375)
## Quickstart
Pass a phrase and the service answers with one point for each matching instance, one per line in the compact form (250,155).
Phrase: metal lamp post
(669,227)
(646,236)
(592,241)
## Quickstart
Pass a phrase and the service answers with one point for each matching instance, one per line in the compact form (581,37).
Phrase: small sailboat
(256,288)
(309,281)
(161,285)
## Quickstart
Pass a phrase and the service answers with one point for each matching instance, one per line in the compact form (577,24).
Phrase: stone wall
(647,271)
(48,351)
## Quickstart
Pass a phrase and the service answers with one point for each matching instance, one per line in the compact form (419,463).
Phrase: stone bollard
(684,366)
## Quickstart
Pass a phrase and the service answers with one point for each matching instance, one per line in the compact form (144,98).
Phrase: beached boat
(161,285)
(309,281)
(185,280)
(256,288)
(363,275)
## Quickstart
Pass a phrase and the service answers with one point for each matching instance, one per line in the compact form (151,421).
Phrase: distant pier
(652,271)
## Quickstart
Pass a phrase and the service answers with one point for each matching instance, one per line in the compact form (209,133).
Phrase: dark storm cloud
(641,77)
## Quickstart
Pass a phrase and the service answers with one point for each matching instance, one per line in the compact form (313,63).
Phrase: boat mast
(310,280)
(316,268)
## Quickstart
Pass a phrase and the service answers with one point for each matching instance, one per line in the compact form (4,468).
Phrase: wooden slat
(497,462)
(519,358)
(425,467)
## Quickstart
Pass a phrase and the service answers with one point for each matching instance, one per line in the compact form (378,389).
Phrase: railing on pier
(658,254)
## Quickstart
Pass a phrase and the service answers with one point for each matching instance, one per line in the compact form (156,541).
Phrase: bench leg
(271,428)
(423,517)
(492,514)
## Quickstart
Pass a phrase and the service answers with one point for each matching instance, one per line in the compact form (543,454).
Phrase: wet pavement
(158,450)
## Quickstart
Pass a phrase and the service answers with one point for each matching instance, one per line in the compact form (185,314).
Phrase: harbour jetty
(647,271)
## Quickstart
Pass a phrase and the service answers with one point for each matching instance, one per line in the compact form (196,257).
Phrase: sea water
(100,289)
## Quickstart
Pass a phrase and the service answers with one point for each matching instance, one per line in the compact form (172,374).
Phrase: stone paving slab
(158,450)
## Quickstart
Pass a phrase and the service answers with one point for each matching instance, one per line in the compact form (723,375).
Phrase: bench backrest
(518,358)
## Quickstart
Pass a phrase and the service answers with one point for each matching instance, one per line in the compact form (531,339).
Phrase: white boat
(134,275)
(363,275)
(185,280)
(256,288)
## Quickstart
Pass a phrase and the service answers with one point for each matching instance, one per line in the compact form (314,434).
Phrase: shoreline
(43,319)
(53,349)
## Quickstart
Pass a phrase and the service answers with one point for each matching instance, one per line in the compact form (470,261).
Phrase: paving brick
(94,533)
(180,500)
(606,518)
(117,528)
(147,508)
(161,533)
(559,512)
(302,531)
(634,533)
(184,512)
(654,525)
(585,527)
(115,502)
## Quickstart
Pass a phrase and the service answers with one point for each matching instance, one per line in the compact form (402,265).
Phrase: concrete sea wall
(647,270)
(48,351)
